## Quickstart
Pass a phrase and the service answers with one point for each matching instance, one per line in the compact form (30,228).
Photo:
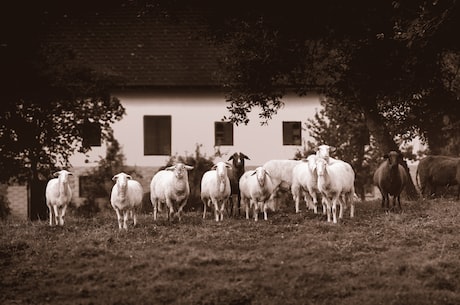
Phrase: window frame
(227,134)
(290,138)
(157,135)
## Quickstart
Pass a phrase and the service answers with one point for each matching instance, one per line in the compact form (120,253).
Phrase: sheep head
(260,173)
(324,150)
(221,171)
(321,166)
(180,170)
(238,159)
(63,175)
(393,159)
(122,182)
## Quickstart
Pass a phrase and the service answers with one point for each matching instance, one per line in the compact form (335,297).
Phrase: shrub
(99,183)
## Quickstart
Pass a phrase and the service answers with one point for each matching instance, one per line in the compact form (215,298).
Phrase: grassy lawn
(411,257)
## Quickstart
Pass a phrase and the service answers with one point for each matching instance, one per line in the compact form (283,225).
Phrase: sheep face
(324,150)
(393,159)
(63,175)
(122,182)
(238,159)
(180,170)
(221,169)
(260,173)
(321,166)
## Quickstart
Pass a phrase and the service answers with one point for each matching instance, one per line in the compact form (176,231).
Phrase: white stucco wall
(193,115)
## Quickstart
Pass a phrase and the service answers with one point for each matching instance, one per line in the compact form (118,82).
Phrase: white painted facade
(193,114)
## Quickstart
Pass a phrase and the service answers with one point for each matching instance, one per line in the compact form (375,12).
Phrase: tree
(40,128)
(49,95)
(345,129)
(99,179)
(387,60)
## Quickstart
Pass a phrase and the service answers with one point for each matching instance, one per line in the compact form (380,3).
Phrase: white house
(171,98)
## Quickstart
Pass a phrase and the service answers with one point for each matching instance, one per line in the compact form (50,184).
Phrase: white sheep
(256,188)
(336,184)
(215,189)
(170,186)
(324,152)
(58,195)
(281,175)
(126,197)
(305,184)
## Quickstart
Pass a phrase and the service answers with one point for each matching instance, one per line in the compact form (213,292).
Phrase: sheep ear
(385,156)
(253,173)
(69,173)
(244,156)
(228,166)
(214,166)
(114,178)
(56,174)
(171,168)
(231,157)
(188,167)
(267,173)
(129,177)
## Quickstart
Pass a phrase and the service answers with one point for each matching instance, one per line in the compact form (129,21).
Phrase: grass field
(411,257)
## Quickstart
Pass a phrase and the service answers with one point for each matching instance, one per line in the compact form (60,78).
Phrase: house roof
(147,50)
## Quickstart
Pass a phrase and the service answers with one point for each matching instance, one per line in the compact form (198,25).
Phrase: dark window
(91,134)
(292,133)
(223,133)
(157,135)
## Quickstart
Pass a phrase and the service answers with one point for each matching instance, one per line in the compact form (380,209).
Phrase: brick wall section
(17,197)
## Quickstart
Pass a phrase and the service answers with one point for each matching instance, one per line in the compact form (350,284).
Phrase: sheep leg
(297,201)
(50,208)
(179,210)
(399,202)
(120,224)
(125,219)
(310,202)
(204,209)
(171,210)
(265,211)
(255,206)
(246,207)
(386,204)
(222,209)
(216,209)
(56,214)
(324,204)
(64,208)
(155,208)
(134,215)
(341,202)
(352,207)
(334,210)
(327,207)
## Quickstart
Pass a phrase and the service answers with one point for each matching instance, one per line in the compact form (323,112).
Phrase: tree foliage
(98,183)
(42,126)
(48,96)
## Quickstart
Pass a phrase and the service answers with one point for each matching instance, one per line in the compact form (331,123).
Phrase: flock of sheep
(319,173)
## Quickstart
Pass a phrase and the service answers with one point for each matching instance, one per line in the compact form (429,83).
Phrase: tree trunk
(386,143)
